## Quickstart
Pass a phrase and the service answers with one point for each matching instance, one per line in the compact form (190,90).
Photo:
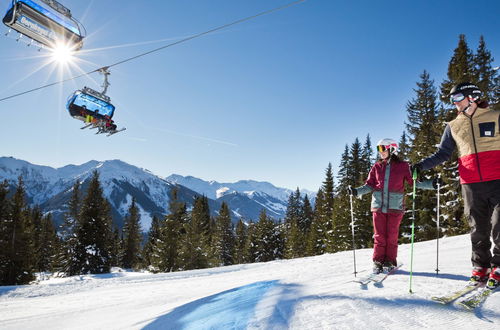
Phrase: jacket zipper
(475,149)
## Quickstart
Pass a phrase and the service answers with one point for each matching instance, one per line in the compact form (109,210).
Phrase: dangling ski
(448,298)
(116,131)
(477,298)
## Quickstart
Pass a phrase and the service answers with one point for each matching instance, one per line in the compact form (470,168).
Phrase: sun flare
(62,54)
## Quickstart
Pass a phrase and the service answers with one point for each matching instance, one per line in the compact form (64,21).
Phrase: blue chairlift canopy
(82,103)
(45,21)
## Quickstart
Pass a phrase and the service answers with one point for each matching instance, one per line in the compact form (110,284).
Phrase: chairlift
(94,108)
(46,21)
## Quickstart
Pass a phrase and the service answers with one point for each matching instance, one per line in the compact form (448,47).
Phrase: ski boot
(494,279)
(389,266)
(479,274)
(377,267)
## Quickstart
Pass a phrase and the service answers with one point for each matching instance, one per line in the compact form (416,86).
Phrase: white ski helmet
(388,144)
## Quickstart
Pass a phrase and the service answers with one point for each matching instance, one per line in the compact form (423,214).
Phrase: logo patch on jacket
(487,129)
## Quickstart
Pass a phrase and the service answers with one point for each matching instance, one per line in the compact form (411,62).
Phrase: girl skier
(386,180)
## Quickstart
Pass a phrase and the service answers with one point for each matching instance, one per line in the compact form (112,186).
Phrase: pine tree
(94,233)
(404,147)
(461,68)
(194,250)
(325,235)
(487,77)
(5,229)
(19,232)
(132,237)
(49,245)
(68,231)
(424,133)
(116,248)
(252,244)
(362,206)
(223,238)
(294,242)
(240,242)
(165,257)
(316,240)
(154,235)
(266,238)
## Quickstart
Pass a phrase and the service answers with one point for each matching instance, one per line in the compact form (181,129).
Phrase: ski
(376,277)
(367,279)
(382,276)
(116,131)
(84,127)
(448,298)
(476,299)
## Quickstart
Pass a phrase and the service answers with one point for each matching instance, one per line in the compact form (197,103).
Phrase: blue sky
(273,99)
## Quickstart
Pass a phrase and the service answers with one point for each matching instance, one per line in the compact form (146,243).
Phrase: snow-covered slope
(308,293)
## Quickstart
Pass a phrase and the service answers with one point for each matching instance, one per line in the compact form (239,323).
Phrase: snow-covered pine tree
(195,245)
(116,247)
(165,257)
(67,233)
(193,253)
(223,238)
(265,238)
(19,233)
(342,214)
(240,242)
(404,147)
(294,239)
(50,247)
(149,247)
(316,239)
(5,236)
(424,133)
(460,69)
(326,214)
(487,77)
(362,206)
(45,241)
(93,250)
(251,244)
(132,237)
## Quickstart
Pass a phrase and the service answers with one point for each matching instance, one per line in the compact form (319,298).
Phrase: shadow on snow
(234,309)
(237,308)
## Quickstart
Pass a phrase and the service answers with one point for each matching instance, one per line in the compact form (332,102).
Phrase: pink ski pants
(386,232)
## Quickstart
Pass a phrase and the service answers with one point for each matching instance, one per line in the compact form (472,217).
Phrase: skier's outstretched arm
(444,152)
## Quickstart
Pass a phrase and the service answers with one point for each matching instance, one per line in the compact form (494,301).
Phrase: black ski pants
(482,207)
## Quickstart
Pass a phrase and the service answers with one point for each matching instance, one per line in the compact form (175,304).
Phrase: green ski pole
(414,176)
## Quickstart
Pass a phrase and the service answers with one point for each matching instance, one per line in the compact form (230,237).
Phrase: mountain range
(50,189)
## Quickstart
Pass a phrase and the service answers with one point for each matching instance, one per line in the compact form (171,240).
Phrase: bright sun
(62,54)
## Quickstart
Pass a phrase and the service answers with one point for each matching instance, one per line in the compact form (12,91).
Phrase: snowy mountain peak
(222,191)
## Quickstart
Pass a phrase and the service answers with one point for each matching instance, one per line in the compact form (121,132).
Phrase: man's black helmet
(467,89)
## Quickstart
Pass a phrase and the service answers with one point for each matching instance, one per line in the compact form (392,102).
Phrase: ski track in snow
(307,293)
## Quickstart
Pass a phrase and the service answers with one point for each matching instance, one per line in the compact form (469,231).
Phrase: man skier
(475,132)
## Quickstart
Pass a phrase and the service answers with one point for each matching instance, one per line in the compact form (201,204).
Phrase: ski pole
(437,220)
(414,176)
(352,228)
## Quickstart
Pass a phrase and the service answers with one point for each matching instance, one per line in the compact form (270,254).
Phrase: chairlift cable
(157,49)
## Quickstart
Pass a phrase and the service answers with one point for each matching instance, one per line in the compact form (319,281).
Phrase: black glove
(437,181)
(352,191)
(416,168)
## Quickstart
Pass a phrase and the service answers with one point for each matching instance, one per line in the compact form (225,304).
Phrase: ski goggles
(383,148)
(457,98)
